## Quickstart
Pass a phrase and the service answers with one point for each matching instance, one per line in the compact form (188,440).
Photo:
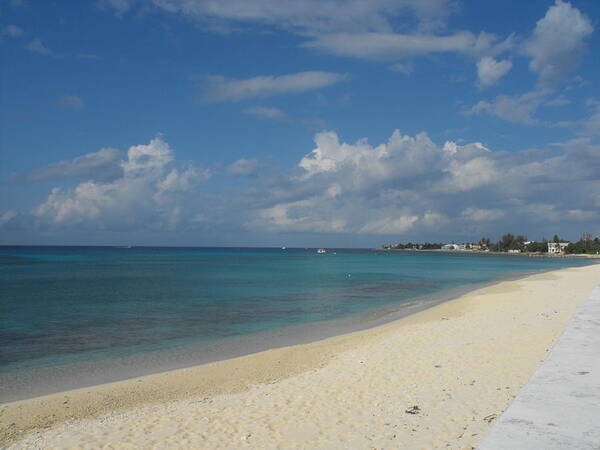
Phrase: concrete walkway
(559,408)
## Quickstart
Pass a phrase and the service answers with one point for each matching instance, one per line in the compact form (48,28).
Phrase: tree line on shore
(509,242)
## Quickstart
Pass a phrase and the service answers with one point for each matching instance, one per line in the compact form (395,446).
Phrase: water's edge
(25,384)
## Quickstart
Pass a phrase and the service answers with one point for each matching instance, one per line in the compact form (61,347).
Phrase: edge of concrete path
(559,407)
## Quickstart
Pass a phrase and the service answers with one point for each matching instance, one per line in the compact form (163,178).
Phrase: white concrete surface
(559,408)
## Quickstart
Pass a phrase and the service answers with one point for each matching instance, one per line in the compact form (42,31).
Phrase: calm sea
(63,306)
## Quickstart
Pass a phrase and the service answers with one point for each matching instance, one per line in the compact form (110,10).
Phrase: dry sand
(436,379)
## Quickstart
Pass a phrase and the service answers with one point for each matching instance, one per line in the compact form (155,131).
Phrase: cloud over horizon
(408,185)
(411,185)
(148,194)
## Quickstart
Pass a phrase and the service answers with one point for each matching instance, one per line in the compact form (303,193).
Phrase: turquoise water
(60,305)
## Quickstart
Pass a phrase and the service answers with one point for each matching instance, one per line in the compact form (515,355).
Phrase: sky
(299,123)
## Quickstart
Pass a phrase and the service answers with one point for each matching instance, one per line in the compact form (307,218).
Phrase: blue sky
(298,123)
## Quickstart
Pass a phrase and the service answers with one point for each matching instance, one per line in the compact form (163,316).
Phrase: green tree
(518,243)
(505,242)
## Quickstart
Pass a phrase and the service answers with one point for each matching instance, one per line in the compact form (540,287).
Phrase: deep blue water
(65,304)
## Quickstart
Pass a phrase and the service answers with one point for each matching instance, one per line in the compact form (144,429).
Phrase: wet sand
(437,378)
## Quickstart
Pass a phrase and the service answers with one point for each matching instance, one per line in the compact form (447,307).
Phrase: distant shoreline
(476,252)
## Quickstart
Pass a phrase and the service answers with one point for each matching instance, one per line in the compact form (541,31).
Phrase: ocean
(76,316)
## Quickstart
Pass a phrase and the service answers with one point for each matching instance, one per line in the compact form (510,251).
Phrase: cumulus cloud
(411,186)
(489,71)
(558,42)
(358,188)
(70,102)
(266,113)
(407,186)
(101,165)
(217,88)
(150,193)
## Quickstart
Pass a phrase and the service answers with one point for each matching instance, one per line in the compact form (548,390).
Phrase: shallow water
(69,305)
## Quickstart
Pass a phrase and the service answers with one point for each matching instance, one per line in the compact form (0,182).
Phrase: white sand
(461,363)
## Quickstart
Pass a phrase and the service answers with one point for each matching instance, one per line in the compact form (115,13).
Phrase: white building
(454,247)
(557,248)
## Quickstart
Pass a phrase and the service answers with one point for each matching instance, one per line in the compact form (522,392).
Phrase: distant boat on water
(321,250)
(283,248)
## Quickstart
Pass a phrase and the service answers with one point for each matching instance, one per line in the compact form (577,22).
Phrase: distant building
(557,248)
(454,247)
(514,250)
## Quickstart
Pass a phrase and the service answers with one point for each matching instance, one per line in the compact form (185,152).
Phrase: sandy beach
(435,379)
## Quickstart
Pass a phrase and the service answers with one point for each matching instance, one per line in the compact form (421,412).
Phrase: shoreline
(479,252)
(30,383)
(272,369)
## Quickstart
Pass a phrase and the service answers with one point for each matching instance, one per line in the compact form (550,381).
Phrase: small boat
(321,250)
(283,248)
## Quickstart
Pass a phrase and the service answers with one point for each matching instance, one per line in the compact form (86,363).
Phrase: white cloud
(243,167)
(467,175)
(358,188)
(407,186)
(374,29)
(70,102)
(557,44)
(519,109)
(36,46)
(12,31)
(217,88)
(303,17)
(266,113)
(181,180)
(411,186)
(300,216)
(489,71)
(386,46)
(149,194)
(101,165)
